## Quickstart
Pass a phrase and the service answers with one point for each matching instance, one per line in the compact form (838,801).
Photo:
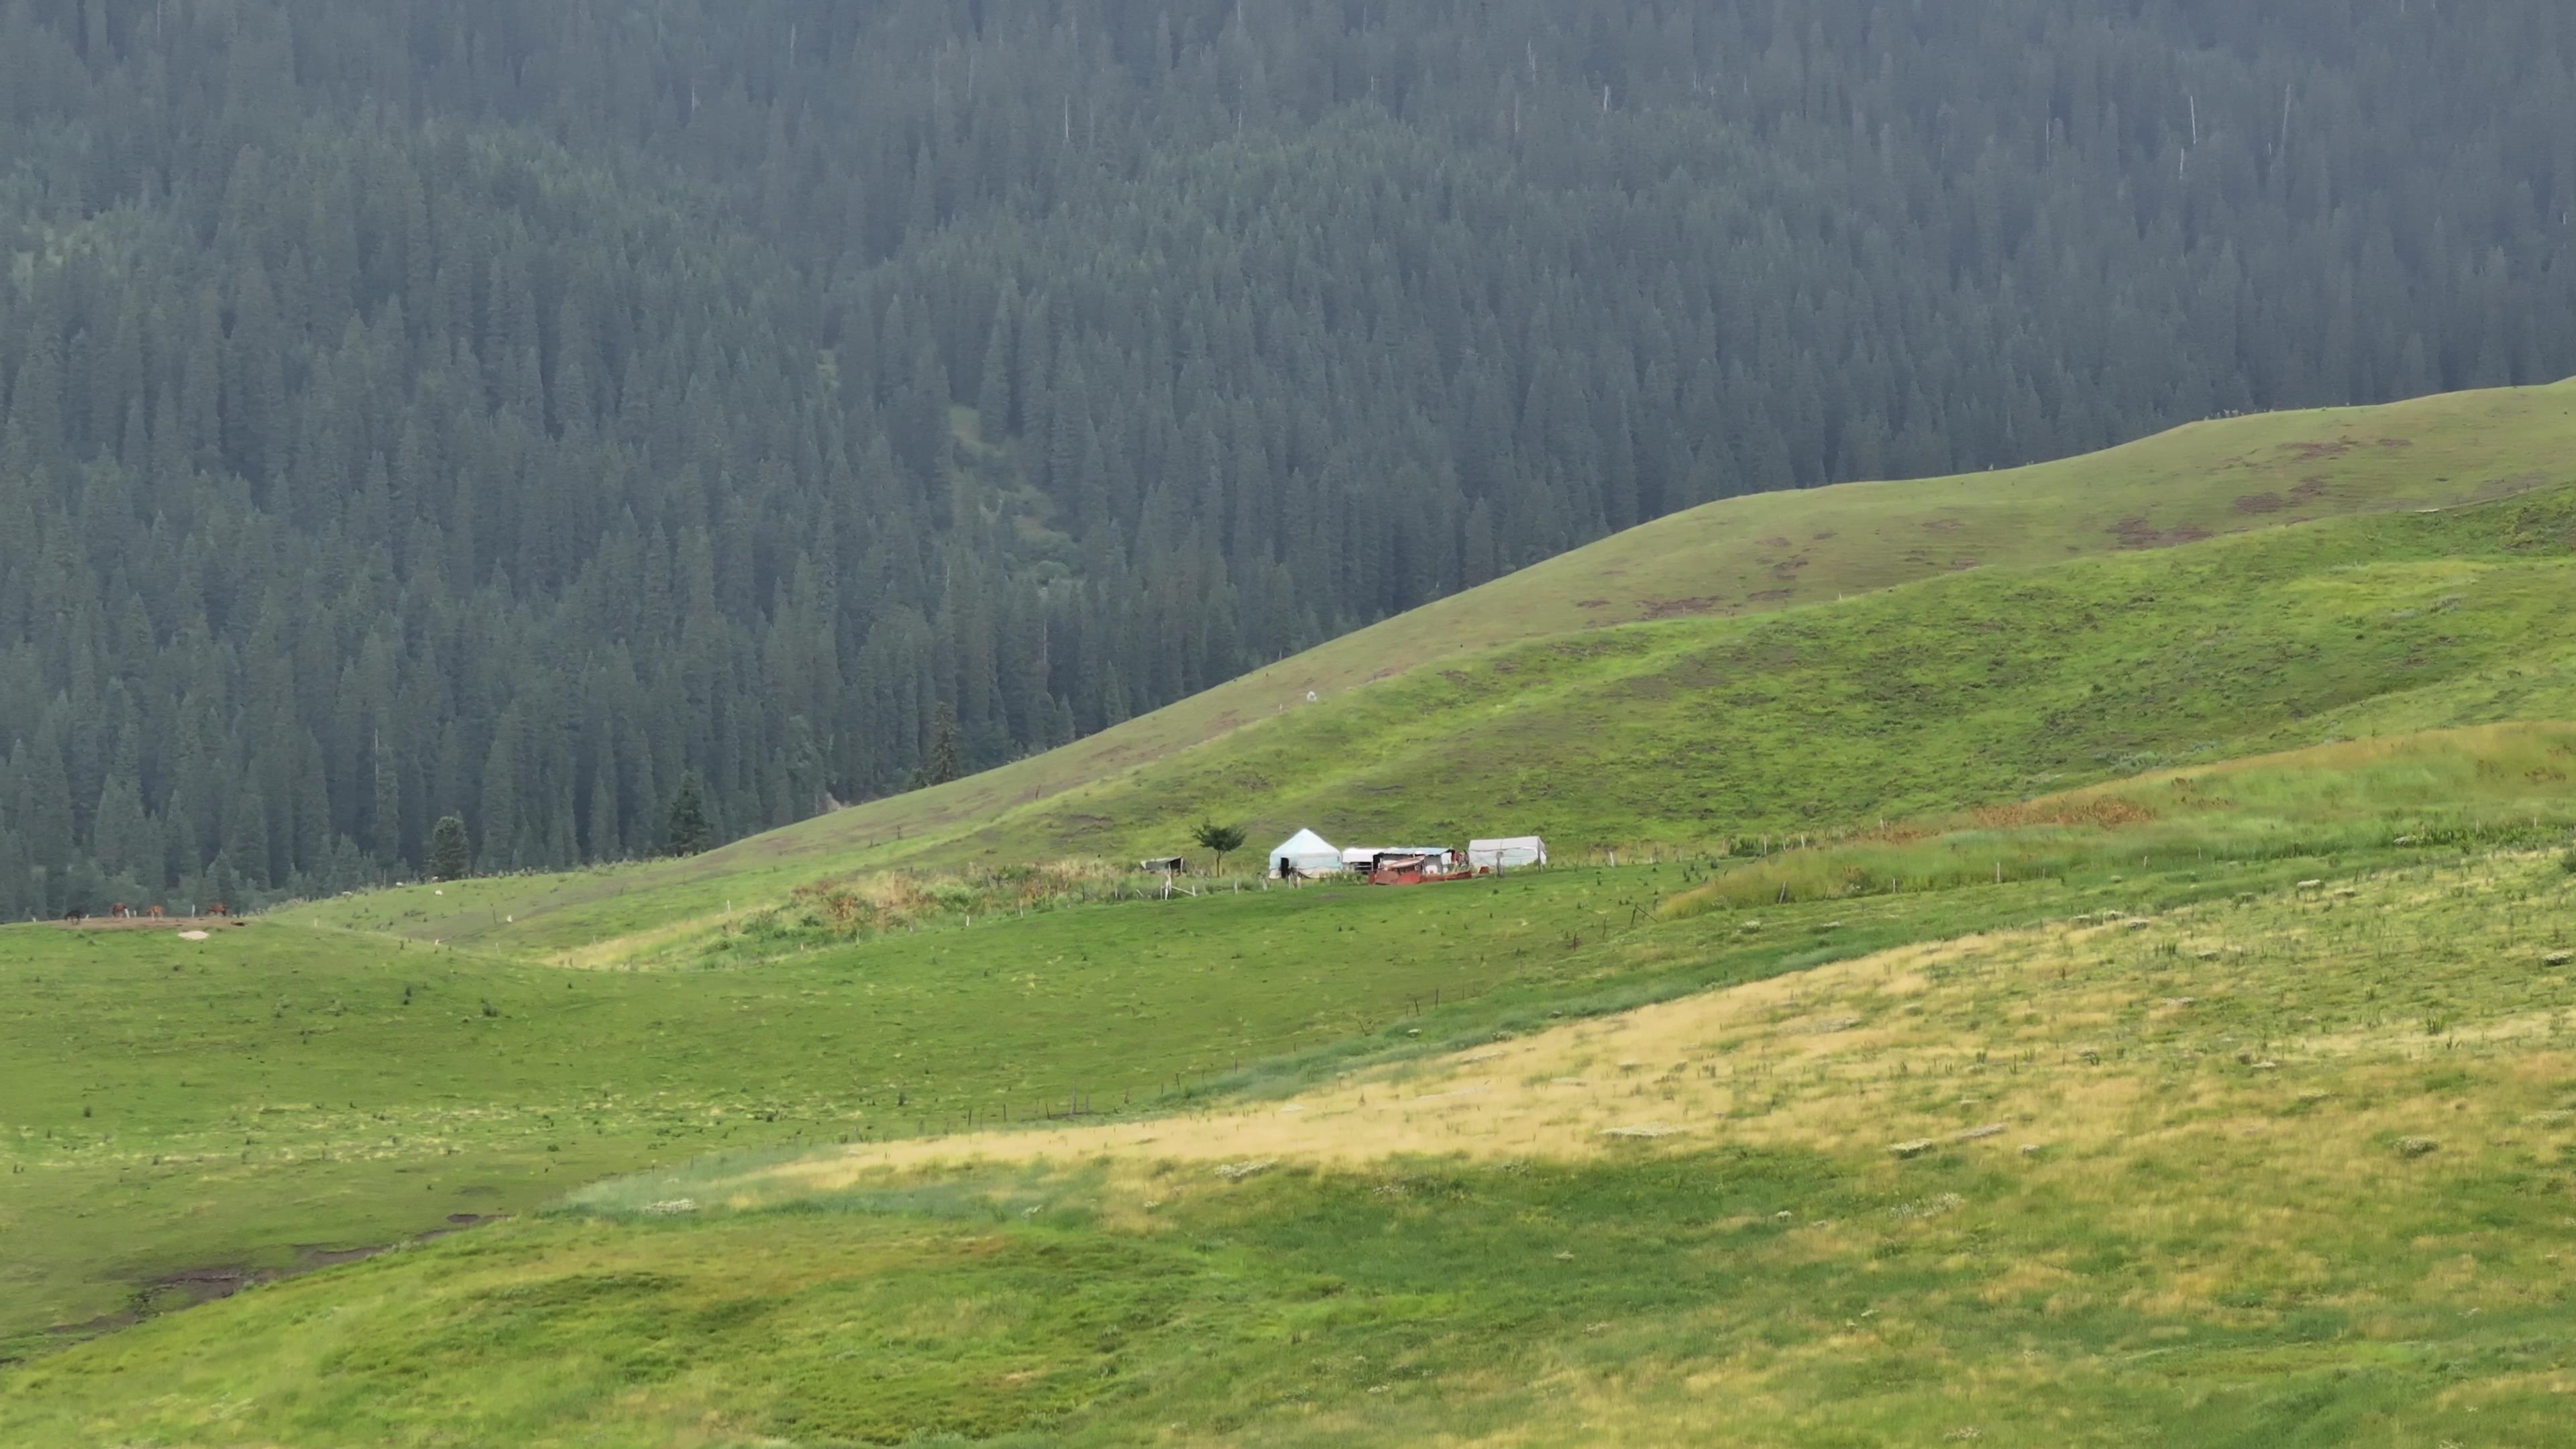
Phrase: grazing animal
(73,918)
(155,913)
(220,909)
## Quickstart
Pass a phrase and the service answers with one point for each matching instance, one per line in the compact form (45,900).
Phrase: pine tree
(450,854)
(688,832)
(942,765)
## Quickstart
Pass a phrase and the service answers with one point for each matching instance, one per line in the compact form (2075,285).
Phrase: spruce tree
(688,832)
(942,765)
(450,855)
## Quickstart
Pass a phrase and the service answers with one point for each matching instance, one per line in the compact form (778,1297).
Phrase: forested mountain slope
(430,407)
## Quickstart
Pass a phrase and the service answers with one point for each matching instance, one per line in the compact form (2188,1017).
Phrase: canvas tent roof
(1507,852)
(1306,850)
(1363,854)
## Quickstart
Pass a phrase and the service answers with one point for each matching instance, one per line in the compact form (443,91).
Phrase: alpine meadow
(803,724)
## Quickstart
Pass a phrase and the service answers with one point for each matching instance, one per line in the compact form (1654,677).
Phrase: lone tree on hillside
(1223,839)
(451,857)
(688,833)
(942,765)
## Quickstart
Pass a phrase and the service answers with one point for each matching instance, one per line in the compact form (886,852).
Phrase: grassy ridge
(1970,688)
(2378,1076)
(1743,557)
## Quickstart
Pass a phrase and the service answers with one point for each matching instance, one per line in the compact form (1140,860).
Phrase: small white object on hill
(1504,854)
(192,935)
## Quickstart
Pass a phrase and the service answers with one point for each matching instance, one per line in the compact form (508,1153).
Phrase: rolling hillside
(1747,690)
(2237,1159)
(1990,917)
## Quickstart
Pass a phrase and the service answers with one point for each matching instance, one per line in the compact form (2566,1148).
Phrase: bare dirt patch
(2137,532)
(2261,503)
(1682,608)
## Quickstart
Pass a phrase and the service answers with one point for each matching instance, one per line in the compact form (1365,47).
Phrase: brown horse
(155,913)
(219,909)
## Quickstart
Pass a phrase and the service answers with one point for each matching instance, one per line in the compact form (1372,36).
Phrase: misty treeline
(477,406)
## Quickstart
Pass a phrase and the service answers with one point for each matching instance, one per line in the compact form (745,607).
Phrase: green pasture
(2359,1239)
(261,1100)
(277,1094)
(2487,787)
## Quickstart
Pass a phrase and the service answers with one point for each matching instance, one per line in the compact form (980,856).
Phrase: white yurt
(1307,853)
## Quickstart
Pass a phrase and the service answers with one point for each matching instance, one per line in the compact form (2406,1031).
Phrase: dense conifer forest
(523,410)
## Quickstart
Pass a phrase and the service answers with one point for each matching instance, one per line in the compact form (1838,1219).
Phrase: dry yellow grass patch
(626,951)
(1985,1044)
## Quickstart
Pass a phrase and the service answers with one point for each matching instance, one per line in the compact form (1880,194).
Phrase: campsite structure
(1308,854)
(1369,858)
(1305,853)
(1508,853)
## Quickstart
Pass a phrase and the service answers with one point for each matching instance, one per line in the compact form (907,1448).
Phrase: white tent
(1307,852)
(1518,850)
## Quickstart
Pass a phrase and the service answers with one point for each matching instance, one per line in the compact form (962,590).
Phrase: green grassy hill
(1834,1189)
(2207,913)
(1891,679)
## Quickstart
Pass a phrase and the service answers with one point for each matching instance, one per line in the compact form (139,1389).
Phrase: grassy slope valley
(1749,558)
(2091,1000)
(1956,1189)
